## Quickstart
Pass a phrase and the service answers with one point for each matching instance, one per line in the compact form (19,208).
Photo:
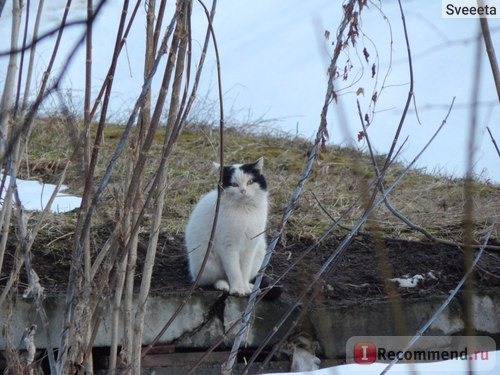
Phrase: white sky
(274,60)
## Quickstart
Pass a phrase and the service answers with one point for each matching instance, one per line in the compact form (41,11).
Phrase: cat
(239,242)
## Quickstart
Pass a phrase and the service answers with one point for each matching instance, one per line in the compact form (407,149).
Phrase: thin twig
(468,191)
(121,37)
(493,140)
(410,91)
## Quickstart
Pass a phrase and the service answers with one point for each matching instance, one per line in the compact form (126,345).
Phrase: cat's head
(244,181)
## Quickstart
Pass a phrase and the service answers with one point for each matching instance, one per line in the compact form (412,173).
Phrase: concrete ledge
(209,315)
(202,321)
(334,326)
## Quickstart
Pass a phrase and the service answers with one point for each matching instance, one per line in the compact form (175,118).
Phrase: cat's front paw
(243,291)
(240,292)
(249,288)
(222,285)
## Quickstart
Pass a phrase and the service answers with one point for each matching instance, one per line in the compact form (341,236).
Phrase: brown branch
(468,191)
(493,140)
(210,33)
(490,50)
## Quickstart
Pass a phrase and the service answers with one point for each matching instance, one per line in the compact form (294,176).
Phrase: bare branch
(490,50)
(210,33)
(493,140)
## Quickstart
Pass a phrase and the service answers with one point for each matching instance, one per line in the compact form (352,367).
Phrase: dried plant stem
(127,265)
(490,50)
(119,43)
(493,140)
(36,27)
(159,193)
(78,304)
(410,92)
(8,89)
(210,33)
(469,191)
(5,114)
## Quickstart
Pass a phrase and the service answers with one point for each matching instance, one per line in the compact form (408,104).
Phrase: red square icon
(365,353)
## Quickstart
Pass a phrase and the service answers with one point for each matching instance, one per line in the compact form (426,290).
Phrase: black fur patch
(227,173)
(257,176)
(250,169)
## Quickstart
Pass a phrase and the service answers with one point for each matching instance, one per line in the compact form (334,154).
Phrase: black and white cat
(239,242)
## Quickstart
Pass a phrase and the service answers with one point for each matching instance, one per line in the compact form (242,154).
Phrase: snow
(407,282)
(491,366)
(35,196)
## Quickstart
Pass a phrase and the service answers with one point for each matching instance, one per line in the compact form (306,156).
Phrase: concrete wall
(202,320)
(209,315)
(333,327)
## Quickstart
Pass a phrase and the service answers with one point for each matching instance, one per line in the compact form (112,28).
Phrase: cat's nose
(243,191)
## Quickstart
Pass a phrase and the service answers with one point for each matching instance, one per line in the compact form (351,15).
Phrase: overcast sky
(274,60)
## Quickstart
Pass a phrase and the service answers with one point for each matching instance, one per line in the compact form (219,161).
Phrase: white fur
(239,241)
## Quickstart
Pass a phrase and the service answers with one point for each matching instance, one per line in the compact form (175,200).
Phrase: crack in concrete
(216,311)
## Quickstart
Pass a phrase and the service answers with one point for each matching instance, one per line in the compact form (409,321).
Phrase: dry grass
(433,202)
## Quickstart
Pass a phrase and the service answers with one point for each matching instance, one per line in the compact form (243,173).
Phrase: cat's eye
(250,182)
(233,184)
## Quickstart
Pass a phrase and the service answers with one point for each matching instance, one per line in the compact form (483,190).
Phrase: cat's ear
(215,166)
(259,164)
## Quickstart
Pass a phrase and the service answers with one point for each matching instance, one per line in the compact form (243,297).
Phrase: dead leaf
(366,54)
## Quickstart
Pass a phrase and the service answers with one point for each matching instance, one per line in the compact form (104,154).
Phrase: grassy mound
(433,202)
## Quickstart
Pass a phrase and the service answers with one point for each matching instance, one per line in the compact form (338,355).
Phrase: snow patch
(407,282)
(34,196)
